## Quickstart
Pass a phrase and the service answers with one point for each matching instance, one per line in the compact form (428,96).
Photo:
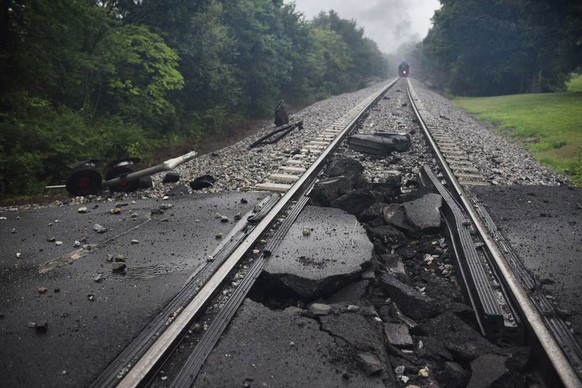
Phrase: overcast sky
(387,22)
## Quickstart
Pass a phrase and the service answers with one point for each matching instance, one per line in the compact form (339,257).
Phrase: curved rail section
(134,371)
(564,363)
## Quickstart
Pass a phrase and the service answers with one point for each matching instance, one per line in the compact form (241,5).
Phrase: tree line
(83,79)
(493,47)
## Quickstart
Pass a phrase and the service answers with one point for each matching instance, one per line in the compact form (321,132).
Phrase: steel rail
(163,344)
(529,312)
(189,371)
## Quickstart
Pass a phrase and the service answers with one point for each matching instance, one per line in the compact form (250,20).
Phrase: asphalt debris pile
(402,321)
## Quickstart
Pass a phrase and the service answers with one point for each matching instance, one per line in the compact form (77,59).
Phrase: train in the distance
(403,69)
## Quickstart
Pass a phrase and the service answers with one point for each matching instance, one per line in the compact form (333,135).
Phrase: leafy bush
(107,80)
(39,142)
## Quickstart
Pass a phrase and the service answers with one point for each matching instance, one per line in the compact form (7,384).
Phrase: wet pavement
(544,227)
(92,310)
(66,311)
(268,348)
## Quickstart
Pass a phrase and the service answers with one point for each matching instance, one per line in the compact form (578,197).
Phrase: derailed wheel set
(120,175)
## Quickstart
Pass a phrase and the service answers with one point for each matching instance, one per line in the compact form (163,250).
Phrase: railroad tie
(290,169)
(311,151)
(319,143)
(285,178)
(473,183)
(465,169)
(449,153)
(457,160)
(469,176)
(273,187)
(296,162)
(316,147)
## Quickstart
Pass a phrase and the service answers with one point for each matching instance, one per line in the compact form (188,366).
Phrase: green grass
(548,125)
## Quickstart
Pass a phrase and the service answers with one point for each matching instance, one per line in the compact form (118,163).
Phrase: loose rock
(41,326)
(119,267)
(320,309)
(99,229)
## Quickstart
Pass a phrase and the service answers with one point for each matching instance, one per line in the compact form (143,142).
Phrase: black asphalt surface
(544,227)
(323,249)
(269,348)
(92,312)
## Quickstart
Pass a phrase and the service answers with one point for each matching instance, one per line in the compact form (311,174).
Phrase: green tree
(113,78)
(503,46)
(139,72)
(366,60)
(82,84)
(331,61)
(262,52)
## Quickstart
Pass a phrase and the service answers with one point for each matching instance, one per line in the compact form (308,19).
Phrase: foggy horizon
(389,23)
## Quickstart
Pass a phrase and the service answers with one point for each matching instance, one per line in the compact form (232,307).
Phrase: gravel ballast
(239,168)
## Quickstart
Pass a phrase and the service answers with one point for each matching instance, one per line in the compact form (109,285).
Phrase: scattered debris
(277,134)
(380,143)
(424,372)
(171,177)
(281,116)
(41,326)
(353,308)
(320,309)
(202,182)
(397,335)
(180,190)
(99,229)
(118,267)
(370,363)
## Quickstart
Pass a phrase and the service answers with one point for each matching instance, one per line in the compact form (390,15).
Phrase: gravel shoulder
(236,167)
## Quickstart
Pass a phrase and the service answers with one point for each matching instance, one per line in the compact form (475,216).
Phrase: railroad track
(523,314)
(504,310)
(136,364)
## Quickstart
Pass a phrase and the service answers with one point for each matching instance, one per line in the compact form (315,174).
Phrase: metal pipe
(169,164)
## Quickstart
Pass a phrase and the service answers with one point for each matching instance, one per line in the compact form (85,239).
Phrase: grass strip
(548,125)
